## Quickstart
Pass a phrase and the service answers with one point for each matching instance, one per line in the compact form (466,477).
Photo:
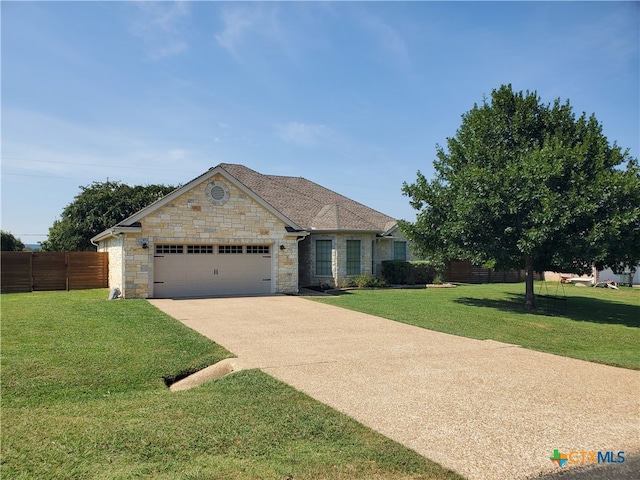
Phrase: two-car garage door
(207,270)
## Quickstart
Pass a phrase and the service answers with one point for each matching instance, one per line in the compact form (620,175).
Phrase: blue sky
(354,96)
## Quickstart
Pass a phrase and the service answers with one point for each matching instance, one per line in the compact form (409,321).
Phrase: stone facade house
(234,231)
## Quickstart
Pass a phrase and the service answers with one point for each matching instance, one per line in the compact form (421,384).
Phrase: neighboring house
(630,277)
(565,276)
(234,231)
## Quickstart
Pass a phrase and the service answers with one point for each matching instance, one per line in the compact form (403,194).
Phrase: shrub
(366,280)
(421,272)
(407,273)
(394,271)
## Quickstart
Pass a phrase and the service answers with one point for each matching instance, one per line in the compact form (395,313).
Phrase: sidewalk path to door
(485,409)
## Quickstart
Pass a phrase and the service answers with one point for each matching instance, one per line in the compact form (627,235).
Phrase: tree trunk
(529,301)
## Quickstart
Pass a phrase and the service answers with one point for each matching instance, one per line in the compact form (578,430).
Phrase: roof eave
(115,231)
(342,230)
(391,230)
(136,217)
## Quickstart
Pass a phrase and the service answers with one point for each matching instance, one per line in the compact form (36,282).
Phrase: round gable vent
(218,193)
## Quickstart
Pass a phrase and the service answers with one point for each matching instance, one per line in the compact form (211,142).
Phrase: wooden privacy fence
(465,272)
(41,271)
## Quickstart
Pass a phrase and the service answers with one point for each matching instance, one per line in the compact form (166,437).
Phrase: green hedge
(397,272)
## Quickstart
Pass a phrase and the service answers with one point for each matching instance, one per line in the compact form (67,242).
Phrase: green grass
(598,325)
(84,396)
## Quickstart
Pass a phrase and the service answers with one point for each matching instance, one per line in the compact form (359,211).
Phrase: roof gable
(298,202)
(133,221)
(200,180)
(310,205)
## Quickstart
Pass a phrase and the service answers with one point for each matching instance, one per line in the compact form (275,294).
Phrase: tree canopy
(97,207)
(10,243)
(528,185)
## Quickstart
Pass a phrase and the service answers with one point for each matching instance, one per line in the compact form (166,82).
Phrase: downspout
(298,240)
(111,234)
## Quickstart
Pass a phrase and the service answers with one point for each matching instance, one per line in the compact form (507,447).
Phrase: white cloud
(237,22)
(614,37)
(303,134)
(244,23)
(387,38)
(160,26)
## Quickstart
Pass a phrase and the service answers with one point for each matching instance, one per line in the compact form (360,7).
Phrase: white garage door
(208,270)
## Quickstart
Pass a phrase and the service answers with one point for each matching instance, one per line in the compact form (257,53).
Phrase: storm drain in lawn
(189,380)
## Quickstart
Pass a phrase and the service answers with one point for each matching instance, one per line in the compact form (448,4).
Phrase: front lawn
(84,396)
(598,325)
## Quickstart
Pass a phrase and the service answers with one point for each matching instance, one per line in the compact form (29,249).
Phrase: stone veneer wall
(287,265)
(114,247)
(192,219)
(365,255)
(384,250)
(138,270)
(307,255)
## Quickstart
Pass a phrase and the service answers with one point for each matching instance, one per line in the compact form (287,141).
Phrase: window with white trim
(353,257)
(323,257)
(400,251)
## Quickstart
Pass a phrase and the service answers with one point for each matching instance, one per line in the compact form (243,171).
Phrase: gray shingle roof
(308,204)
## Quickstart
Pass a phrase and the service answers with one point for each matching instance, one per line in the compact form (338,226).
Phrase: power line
(33,175)
(137,167)
(30,234)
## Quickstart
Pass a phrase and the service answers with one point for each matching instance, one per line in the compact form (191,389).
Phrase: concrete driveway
(486,409)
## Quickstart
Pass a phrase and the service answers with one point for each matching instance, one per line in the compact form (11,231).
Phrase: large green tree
(528,185)
(10,243)
(96,208)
